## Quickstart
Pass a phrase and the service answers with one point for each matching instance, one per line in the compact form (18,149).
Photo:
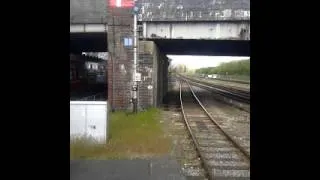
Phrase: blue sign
(127,42)
(136,10)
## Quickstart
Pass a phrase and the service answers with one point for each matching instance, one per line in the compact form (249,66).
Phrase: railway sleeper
(228,164)
(231,156)
(231,173)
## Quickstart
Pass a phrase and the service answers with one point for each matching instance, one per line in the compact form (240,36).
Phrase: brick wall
(146,68)
(151,65)
(153,68)
(120,25)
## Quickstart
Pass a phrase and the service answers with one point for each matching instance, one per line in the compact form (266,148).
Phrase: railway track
(220,155)
(238,95)
(232,80)
(230,88)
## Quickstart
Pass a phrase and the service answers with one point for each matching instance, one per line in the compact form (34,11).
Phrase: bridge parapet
(194,10)
(88,11)
(88,18)
(95,11)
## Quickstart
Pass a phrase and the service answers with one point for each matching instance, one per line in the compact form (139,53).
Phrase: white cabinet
(89,119)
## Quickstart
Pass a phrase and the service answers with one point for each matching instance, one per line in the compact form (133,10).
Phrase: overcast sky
(195,62)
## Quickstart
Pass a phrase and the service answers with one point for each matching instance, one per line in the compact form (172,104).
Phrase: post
(135,84)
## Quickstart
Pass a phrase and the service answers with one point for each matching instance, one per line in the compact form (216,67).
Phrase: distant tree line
(241,67)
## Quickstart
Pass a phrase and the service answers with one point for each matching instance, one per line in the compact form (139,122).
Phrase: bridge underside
(204,47)
(98,42)
(152,65)
(88,42)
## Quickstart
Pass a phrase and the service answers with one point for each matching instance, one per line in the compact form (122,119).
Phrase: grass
(131,136)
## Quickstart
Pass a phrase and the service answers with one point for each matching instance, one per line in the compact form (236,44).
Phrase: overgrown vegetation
(241,67)
(131,135)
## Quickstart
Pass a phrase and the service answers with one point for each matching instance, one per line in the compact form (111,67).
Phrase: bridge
(180,27)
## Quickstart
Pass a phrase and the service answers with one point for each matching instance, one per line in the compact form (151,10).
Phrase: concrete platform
(151,169)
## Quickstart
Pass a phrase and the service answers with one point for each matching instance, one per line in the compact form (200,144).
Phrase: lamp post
(135,84)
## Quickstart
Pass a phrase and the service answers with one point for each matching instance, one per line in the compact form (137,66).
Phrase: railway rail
(238,95)
(233,80)
(221,156)
(229,87)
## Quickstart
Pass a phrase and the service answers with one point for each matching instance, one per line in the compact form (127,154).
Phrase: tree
(241,67)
